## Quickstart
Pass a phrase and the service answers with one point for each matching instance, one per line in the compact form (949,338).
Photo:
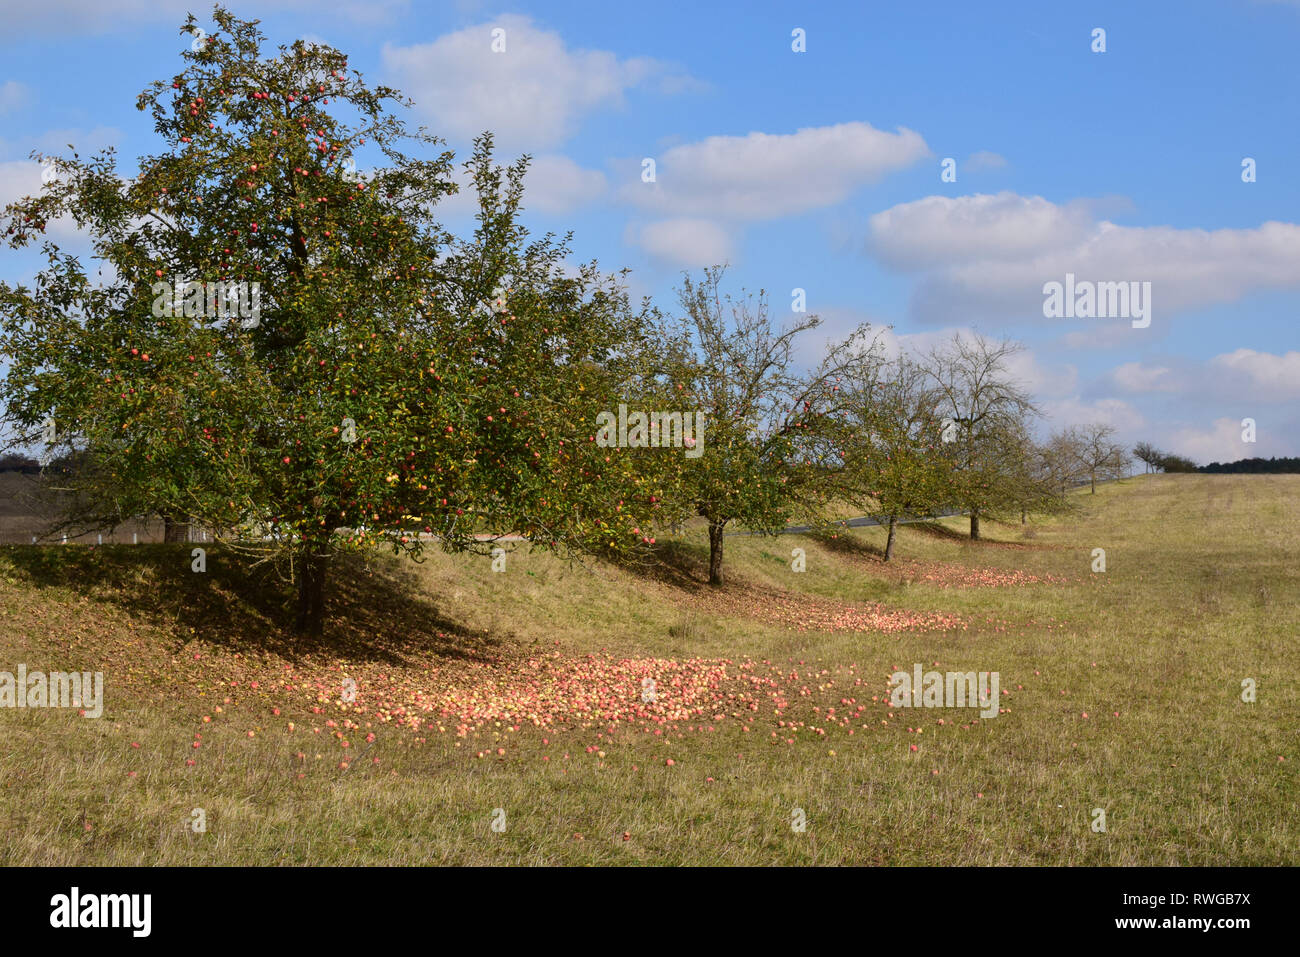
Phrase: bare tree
(1039,473)
(1099,455)
(985,413)
(1062,457)
(1149,455)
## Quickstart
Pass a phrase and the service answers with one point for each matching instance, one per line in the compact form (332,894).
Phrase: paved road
(862,522)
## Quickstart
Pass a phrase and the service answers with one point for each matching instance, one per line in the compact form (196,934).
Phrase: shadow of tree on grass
(375,609)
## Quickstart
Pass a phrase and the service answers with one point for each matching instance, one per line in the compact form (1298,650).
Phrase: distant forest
(19,463)
(1271,466)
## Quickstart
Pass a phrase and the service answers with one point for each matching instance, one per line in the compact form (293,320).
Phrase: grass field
(498,717)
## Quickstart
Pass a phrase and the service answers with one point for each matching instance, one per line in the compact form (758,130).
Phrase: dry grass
(1198,594)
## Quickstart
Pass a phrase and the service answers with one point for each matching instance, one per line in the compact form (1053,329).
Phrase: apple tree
(769,446)
(895,462)
(299,355)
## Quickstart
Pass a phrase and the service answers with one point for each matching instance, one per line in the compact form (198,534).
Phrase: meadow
(592,714)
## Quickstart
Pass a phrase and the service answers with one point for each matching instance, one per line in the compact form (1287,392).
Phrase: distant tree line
(1271,466)
(1158,461)
(19,463)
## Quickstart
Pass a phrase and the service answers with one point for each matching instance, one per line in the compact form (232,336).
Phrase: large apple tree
(382,381)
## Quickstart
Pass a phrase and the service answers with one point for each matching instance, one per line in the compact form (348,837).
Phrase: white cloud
(1244,375)
(984,160)
(1219,443)
(688,243)
(556,184)
(1262,375)
(1063,413)
(1042,379)
(1138,377)
(942,231)
(769,175)
(990,255)
(531,96)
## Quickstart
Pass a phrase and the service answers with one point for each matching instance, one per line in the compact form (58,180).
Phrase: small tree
(1176,463)
(1040,474)
(1148,454)
(984,414)
(1060,460)
(894,461)
(1099,455)
(765,452)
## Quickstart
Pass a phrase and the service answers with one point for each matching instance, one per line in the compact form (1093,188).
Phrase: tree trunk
(1024,517)
(889,542)
(311,592)
(975,524)
(1094,483)
(715,553)
(174,530)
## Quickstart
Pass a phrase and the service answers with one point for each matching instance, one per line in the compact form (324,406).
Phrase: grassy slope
(1199,593)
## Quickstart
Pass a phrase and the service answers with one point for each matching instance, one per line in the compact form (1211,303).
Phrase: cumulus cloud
(1139,377)
(984,160)
(553,185)
(532,96)
(556,184)
(1245,375)
(1262,374)
(685,242)
(942,232)
(1219,443)
(1073,410)
(989,255)
(770,175)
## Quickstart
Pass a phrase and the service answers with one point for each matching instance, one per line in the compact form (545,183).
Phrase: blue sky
(821,169)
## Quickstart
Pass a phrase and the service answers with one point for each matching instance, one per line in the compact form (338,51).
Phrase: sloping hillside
(621,715)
